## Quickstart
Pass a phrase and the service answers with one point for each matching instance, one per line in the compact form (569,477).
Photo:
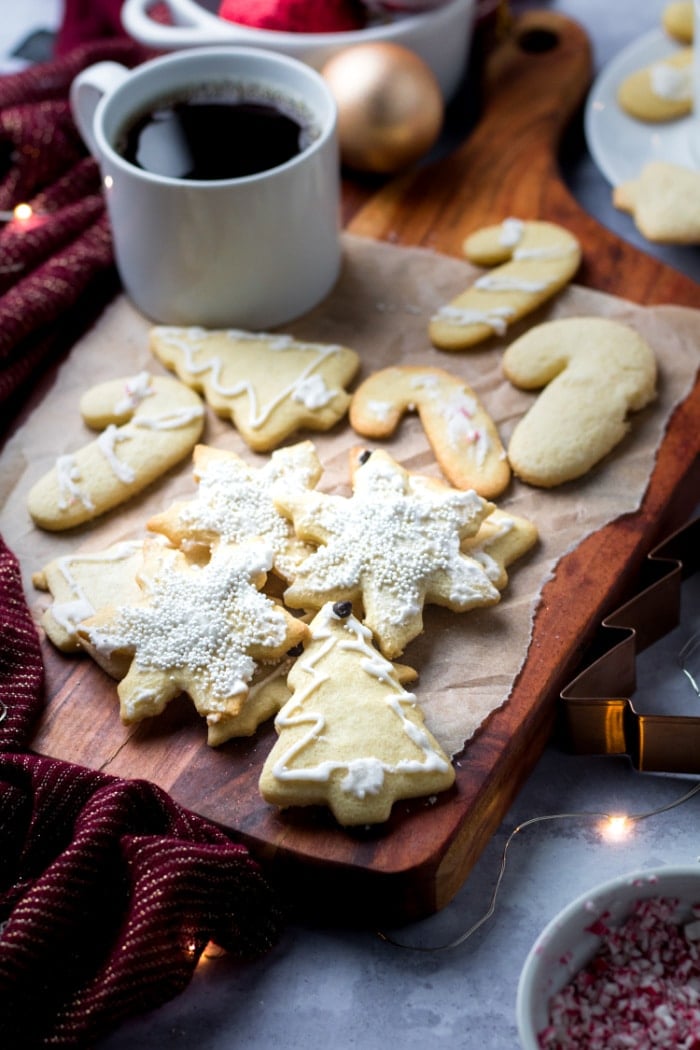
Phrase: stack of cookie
(264,595)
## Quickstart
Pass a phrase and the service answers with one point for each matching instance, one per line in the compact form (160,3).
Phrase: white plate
(620,145)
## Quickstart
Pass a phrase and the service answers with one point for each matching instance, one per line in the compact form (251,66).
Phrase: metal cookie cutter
(597,712)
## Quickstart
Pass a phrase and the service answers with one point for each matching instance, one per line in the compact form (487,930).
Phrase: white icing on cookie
(396,541)
(533,261)
(203,621)
(495,319)
(235,502)
(146,424)
(511,232)
(496,283)
(70,490)
(671,82)
(107,443)
(69,612)
(364,775)
(199,361)
(136,388)
(312,392)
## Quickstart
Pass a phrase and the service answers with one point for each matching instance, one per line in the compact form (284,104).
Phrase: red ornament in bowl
(296,16)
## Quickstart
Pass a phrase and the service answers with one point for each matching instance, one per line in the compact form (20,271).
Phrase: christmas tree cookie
(350,737)
(269,385)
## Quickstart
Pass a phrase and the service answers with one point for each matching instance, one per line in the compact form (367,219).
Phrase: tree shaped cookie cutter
(598,715)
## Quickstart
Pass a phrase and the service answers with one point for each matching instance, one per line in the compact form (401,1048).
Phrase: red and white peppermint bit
(641,990)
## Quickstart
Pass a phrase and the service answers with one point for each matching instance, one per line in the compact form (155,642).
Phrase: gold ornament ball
(390,107)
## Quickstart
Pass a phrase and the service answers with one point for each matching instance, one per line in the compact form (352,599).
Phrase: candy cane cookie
(268,385)
(533,260)
(595,372)
(148,423)
(461,433)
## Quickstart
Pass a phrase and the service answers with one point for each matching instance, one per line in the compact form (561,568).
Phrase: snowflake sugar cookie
(393,546)
(201,629)
(234,502)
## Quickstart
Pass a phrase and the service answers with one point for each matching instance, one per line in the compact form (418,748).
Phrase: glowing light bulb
(108,181)
(616,828)
(22,212)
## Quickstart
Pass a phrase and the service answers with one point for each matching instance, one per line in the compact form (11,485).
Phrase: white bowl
(441,37)
(564,946)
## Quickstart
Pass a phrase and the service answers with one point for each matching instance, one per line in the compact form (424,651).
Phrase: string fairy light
(612,826)
(21,213)
(690,653)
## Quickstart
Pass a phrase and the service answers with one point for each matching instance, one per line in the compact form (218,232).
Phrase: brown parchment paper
(381,307)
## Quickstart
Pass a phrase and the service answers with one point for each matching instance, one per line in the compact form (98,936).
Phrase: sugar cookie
(595,372)
(393,547)
(235,502)
(664,202)
(534,261)
(149,423)
(677,20)
(502,539)
(80,584)
(461,433)
(267,692)
(270,386)
(661,91)
(350,737)
(201,629)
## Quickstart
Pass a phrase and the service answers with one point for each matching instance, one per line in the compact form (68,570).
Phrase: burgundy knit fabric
(88,20)
(109,890)
(56,268)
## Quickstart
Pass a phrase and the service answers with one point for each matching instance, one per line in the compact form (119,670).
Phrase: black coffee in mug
(214,133)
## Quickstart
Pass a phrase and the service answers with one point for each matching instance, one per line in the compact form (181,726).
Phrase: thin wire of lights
(613,826)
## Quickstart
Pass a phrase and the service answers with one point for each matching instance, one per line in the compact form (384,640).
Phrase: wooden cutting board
(534,83)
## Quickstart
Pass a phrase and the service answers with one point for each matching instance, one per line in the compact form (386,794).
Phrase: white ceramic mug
(248,252)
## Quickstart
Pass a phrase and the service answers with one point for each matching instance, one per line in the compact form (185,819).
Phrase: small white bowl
(564,947)
(441,36)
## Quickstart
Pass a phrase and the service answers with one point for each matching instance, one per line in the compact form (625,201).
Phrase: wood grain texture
(535,82)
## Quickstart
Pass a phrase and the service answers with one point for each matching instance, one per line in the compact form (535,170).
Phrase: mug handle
(191,25)
(86,91)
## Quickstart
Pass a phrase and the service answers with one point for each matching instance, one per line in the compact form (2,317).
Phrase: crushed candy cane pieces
(641,990)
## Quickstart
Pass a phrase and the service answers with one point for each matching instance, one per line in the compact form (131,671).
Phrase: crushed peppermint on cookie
(641,990)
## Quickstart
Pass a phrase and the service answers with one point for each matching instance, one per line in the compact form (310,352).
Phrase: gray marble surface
(349,988)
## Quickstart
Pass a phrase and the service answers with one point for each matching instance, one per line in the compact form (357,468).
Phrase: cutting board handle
(534,83)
